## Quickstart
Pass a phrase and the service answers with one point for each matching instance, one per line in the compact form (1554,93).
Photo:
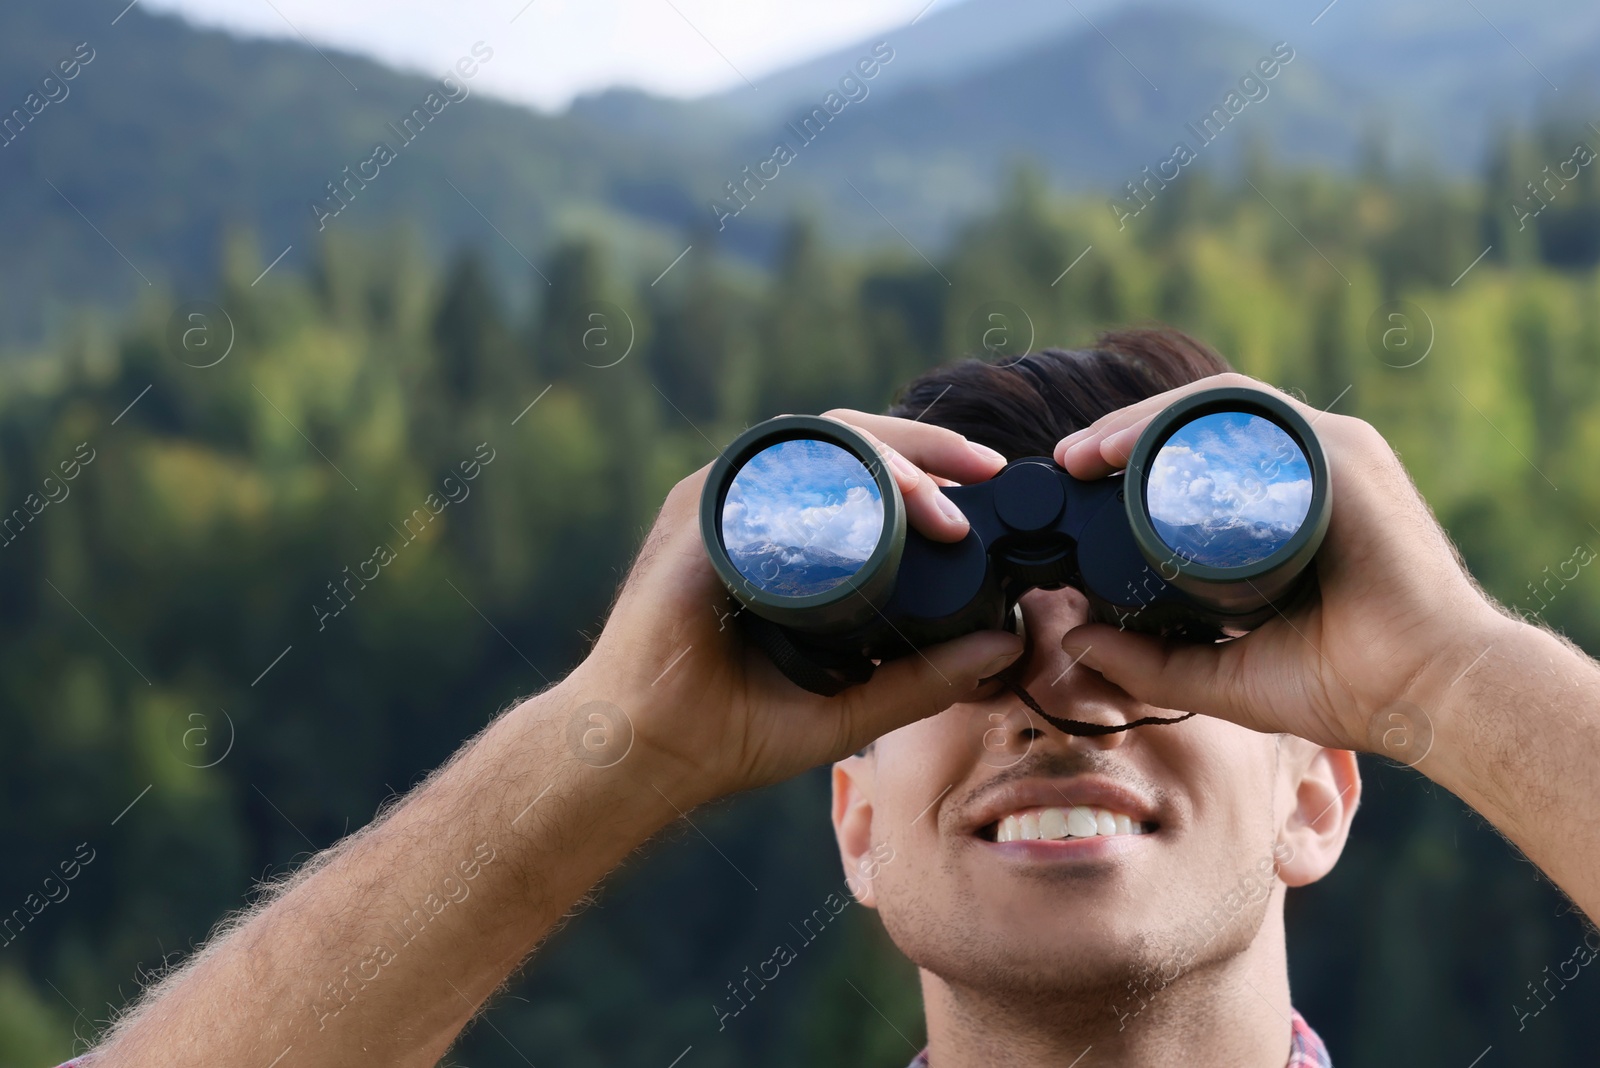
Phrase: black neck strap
(1078,727)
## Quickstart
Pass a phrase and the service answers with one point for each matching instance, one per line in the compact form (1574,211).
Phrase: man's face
(1204,819)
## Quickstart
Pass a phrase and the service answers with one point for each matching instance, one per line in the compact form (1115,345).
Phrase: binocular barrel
(1209,533)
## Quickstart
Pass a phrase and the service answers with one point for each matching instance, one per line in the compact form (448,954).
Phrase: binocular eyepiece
(1208,534)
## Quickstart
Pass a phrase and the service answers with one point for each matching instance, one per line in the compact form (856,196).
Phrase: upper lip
(1089,790)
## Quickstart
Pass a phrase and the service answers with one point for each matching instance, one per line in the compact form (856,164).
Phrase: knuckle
(685,490)
(1362,434)
(682,500)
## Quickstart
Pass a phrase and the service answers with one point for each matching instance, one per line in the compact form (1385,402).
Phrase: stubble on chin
(1082,987)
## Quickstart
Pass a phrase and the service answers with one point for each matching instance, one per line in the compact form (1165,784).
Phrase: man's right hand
(480,861)
(710,709)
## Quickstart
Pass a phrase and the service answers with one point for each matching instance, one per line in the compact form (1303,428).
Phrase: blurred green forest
(164,628)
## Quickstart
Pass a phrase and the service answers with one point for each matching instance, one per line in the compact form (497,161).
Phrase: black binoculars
(1208,534)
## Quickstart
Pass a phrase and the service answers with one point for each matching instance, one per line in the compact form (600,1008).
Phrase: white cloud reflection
(804,494)
(1230,465)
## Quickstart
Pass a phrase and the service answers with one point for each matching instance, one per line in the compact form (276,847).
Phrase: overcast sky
(548,51)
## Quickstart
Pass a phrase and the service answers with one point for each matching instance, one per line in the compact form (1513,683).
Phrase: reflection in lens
(801,517)
(1228,489)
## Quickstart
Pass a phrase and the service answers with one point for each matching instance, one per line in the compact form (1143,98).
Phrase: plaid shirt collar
(1305,1048)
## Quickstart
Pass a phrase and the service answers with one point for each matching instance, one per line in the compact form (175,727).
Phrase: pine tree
(812,357)
(468,331)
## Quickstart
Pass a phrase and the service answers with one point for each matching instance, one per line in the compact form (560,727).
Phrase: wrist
(1415,725)
(1468,639)
(614,731)
(1454,696)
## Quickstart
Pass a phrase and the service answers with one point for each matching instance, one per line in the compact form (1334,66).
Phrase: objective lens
(1231,504)
(801,517)
(1228,489)
(804,526)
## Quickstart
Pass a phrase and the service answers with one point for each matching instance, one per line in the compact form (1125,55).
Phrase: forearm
(1517,737)
(384,951)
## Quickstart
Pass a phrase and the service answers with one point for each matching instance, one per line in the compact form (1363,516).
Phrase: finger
(1080,446)
(935,449)
(934,514)
(927,507)
(1260,681)
(1105,445)
(922,684)
(1184,676)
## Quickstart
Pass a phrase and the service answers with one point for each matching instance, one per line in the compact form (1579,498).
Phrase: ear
(1326,789)
(852,824)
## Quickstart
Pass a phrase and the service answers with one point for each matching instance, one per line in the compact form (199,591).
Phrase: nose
(1062,687)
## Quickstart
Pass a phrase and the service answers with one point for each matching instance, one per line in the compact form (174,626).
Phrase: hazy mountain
(797,570)
(1439,70)
(1099,89)
(1228,542)
(1094,113)
(947,42)
(170,134)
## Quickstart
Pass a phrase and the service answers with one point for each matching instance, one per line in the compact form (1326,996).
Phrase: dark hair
(1023,406)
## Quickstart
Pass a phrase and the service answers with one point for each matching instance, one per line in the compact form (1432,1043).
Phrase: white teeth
(1051,824)
(1081,822)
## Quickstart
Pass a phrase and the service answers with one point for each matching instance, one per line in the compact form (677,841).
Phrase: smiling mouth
(1063,824)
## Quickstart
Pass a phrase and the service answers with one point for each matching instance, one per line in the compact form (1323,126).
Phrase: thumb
(924,683)
(1183,676)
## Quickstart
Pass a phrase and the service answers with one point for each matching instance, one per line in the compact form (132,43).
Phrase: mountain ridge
(174,136)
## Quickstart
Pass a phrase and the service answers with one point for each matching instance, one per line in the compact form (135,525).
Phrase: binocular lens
(801,517)
(1228,489)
